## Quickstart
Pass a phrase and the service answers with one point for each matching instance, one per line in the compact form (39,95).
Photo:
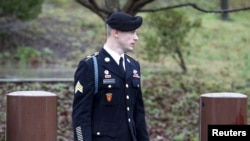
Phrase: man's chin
(130,49)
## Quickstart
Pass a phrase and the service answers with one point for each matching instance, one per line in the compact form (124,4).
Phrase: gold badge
(109,96)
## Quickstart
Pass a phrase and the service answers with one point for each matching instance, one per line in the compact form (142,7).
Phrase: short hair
(108,30)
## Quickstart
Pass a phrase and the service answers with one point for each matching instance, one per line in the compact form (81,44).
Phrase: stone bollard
(223,109)
(31,116)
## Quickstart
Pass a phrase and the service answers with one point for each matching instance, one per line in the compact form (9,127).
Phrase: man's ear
(116,33)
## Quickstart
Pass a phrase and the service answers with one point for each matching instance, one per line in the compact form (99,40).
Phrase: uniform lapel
(129,67)
(109,63)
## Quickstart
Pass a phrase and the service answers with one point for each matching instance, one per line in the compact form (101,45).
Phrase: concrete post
(31,116)
(221,108)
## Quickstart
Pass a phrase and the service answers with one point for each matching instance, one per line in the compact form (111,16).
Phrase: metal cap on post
(221,108)
(31,116)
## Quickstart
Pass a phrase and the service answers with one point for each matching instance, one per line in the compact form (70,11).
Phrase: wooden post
(31,116)
(224,6)
(221,108)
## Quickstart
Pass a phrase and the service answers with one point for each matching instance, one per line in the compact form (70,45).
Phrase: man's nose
(136,37)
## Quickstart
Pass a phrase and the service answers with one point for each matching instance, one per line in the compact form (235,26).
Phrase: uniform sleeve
(140,121)
(83,100)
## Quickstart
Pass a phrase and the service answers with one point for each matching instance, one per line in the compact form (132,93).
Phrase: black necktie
(121,64)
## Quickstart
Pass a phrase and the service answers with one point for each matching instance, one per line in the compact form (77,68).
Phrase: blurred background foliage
(27,10)
(166,35)
(215,52)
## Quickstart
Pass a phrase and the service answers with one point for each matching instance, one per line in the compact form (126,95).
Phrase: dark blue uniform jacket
(116,112)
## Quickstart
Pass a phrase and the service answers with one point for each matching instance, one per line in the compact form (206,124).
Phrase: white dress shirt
(115,55)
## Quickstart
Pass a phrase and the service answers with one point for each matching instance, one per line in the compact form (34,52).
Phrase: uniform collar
(113,54)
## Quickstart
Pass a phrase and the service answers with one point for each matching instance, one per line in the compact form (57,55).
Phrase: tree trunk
(181,62)
(112,5)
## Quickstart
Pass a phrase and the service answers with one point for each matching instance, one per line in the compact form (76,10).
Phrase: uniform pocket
(104,129)
(136,83)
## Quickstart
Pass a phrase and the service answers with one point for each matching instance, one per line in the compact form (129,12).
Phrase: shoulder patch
(78,87)
(90,56)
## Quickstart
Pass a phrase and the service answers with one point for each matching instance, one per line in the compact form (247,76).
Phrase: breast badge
(135,74)
(107,75)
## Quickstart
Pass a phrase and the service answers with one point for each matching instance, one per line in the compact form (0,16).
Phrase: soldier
(116,111)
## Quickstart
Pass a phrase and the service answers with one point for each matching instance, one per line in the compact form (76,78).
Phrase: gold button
(98,133)
(109,86)
(126,85)
(127,97)
(127,108)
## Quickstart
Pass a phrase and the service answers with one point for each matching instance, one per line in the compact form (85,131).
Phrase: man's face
(127,40)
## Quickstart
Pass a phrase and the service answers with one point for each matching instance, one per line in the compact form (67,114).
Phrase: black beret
(124,22)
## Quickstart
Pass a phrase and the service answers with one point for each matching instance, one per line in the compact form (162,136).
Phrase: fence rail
(16,80)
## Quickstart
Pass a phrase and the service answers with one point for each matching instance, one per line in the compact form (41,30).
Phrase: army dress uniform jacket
(116,111)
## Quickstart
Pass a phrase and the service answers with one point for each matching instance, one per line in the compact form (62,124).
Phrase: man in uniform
(116,111)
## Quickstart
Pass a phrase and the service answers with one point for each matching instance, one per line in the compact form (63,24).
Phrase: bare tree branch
(112,5)
(85,3)
(133,6)
(139,4)
(91,5)
(128,5)
(94,5)
(195,7)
